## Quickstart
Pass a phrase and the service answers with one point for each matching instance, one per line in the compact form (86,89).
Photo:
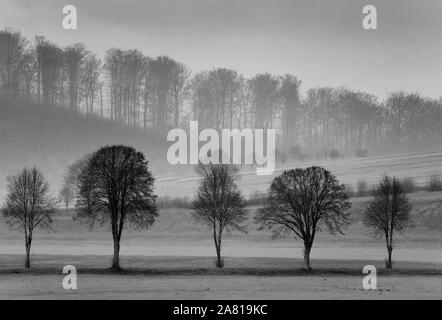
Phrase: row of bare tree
(129,87)
(114,185)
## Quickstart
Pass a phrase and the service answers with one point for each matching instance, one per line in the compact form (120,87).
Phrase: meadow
(349,170)
(175,257)
(176,234)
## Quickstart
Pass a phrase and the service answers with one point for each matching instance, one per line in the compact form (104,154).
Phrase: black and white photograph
(220,150)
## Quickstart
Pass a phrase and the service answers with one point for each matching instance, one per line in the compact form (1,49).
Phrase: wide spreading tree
(301,201)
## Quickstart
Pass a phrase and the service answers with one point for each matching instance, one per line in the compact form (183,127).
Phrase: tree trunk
(101,100)
(177,108)
(219,263)
(217,239)
(28,252)
(389,263)
(307,248)
(116,261)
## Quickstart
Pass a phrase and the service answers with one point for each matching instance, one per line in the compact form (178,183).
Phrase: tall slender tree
(29,205)
(219,203)
(388,212)
(74,58)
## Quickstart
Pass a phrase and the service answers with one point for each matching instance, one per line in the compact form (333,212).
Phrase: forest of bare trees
(158,92)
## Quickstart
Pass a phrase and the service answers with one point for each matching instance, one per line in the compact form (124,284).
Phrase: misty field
(100,124)
(418,166)
(176,234)
(175,260)
(175,257)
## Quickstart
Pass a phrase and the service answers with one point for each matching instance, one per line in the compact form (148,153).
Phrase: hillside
(51,138)
(418,166)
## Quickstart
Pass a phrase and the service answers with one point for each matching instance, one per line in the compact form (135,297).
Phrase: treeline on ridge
(129,87)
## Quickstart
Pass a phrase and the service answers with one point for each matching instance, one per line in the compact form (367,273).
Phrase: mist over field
(53,138)
(86,177)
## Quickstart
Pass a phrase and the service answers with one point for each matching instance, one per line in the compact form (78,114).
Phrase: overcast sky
(322,42)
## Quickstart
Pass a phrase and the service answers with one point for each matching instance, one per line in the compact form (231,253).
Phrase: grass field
(176,234)
(175,257)
(218,287)
(419,166)
(245,278)
(175,260)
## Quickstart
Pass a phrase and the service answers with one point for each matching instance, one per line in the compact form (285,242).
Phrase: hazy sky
(322,42)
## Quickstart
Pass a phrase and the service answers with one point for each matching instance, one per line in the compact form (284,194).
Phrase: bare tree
(116,185)
(90,80)
(158,93)
(12,48)
(70,181)
(300,200)
(66,195)
(388,212)
(225,85)
(50,63)
(113,66)
(146,90)
(28,73)
(265,95)
(73,59)
(29,205)
(201,100)
(291,108)
(218,98)
(134,72)
(219,203)
(127,70)
(162,72)
(180,76)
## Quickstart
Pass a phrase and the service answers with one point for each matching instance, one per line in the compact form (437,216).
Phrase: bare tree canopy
(389,211)
(265,96)
(300,201)
(116,185)
(70,181)
(73,60)
(29,205)
(219,203)
(12,53)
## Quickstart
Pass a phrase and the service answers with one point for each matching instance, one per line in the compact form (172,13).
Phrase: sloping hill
(51,138)
(418,166)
